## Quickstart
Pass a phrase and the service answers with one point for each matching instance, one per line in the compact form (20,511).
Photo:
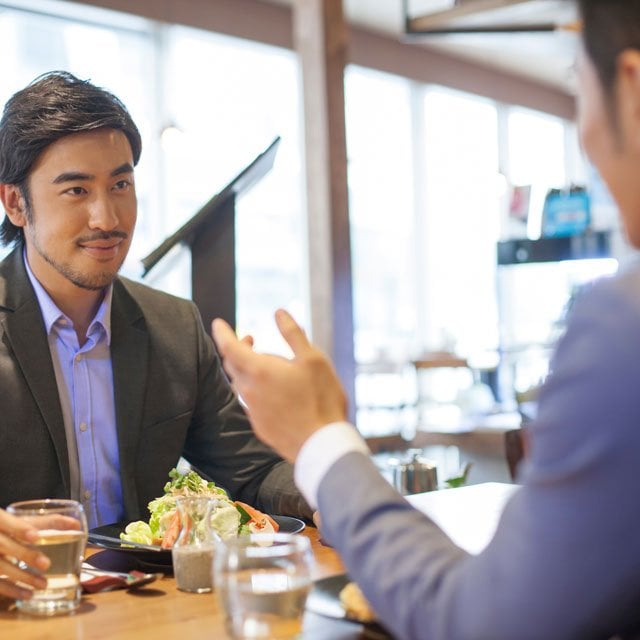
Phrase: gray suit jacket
(565,561)
(171,397)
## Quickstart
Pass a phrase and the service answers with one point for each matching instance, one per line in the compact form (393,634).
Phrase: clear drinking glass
(62,528)
(262,581)
(192,553)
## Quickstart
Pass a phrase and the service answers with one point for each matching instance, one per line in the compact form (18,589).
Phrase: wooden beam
(430,66)
(250,19)
(272,24)
(320,37)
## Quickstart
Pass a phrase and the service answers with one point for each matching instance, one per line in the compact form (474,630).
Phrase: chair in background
(515,445)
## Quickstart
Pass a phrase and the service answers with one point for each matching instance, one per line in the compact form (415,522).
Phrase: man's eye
(76,191)
(122,184)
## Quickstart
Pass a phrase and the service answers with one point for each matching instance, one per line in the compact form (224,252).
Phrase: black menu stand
(210,235)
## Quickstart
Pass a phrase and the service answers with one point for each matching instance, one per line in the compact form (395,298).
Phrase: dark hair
(54,105)
(609,27)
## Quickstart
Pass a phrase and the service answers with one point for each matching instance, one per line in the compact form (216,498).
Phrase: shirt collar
(51,313)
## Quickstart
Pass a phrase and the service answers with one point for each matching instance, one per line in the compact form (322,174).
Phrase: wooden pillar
(320,37)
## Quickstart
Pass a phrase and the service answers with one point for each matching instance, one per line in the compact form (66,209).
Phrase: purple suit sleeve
(565,560)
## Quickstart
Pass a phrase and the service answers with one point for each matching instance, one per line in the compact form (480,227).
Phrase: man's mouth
(101,244)
(103,247)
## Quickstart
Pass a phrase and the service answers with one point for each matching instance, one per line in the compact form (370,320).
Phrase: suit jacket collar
(129,357)
(24,331)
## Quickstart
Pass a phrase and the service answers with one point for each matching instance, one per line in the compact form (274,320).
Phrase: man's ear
(628,95)
(14,204)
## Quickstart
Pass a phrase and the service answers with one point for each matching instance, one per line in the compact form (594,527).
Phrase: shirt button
(78,358)
(87,494)
(83,426)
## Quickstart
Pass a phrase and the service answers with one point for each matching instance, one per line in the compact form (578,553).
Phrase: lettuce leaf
(161,511)
(225,520)
(137,531)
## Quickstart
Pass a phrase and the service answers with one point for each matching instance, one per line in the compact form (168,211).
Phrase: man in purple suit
(565,560)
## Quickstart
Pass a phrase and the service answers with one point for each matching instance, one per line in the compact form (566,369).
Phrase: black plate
(159,557)
(163,556)
(324,599)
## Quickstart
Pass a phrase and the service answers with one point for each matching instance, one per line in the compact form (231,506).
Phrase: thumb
(248,340)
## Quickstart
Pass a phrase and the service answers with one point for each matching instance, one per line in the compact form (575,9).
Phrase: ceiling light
(491,16)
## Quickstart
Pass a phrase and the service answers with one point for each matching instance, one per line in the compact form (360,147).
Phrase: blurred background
(453,145)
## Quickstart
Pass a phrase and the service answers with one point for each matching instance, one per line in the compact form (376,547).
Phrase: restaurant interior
(406,180)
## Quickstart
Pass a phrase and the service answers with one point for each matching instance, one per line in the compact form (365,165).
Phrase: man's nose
(103,213)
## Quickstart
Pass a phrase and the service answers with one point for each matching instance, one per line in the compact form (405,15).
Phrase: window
(248,96)
(379,148)
(381,202)
(462,190)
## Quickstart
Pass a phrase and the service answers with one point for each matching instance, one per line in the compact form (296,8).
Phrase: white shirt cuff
(318,454)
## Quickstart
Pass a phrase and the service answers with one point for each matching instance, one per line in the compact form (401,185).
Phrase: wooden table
(469,515)
(161,611)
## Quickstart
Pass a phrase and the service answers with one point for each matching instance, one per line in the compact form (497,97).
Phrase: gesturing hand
(287,400)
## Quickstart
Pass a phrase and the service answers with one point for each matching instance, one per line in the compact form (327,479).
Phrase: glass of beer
(262,581)
(62,528)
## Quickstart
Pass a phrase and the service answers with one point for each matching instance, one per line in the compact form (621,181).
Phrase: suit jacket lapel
(24,330)
(129,356)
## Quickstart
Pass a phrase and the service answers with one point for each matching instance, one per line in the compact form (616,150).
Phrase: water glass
(62,528)
(262,581)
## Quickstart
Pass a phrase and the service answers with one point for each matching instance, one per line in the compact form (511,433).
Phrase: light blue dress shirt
(84,376)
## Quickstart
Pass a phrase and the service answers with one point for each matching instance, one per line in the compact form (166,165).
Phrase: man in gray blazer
(565,560)
(104,382)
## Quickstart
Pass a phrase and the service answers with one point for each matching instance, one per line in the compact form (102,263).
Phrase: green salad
(227,518)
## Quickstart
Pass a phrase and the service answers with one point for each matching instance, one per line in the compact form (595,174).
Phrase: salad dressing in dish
(193,567)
